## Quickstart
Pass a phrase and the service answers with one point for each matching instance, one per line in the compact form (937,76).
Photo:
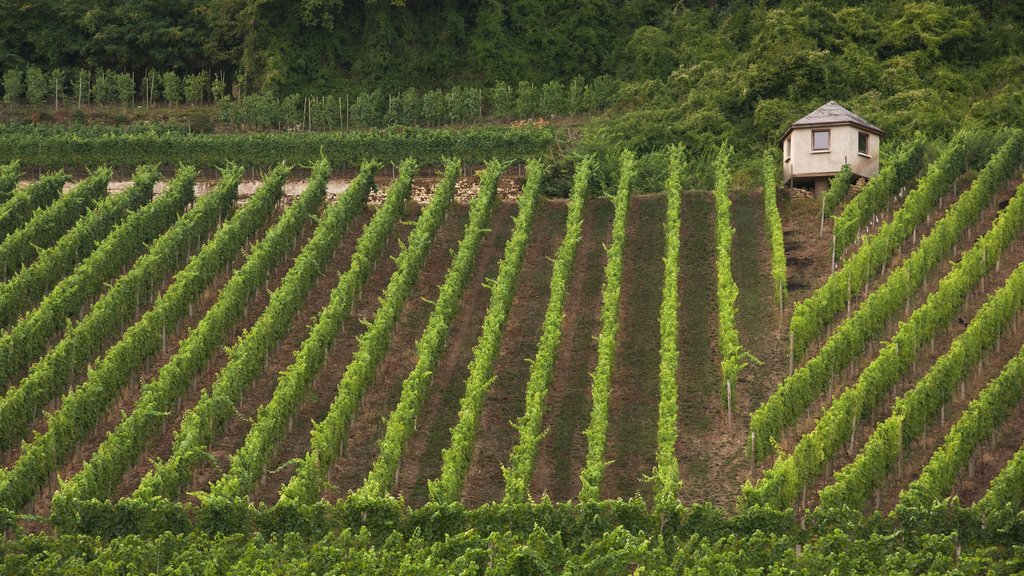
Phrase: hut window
(862,143)
(821,139)
(788,142)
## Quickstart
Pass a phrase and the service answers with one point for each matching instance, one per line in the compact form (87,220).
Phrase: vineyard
(435,364)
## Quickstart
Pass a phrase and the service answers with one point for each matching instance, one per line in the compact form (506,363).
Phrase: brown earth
(324,387)
(159,446)
(925,359)
(505,398)
(563,449)
(633,403)
(421,460)
(367,427)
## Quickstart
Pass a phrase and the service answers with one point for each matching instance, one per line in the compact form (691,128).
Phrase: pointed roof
(832,114)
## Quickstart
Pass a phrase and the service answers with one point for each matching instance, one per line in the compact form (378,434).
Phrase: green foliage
(24,290)
(36,88)
(82,408)
(50,223)
(666,471)
(527,99)
(411,107)
(246,357)
(770,172)
(593,470)
(20,208)
(447,488)
(14,86)
(856,482)
(330,434)
(838,188)
(141,146)
(734,356)
(401,423)
(812,315)
(907,161)
(978,422)
(503,101)
(895,359)
(433,107)
(171,86)
(194,87)
(102,472)
(519,471)
(296,381)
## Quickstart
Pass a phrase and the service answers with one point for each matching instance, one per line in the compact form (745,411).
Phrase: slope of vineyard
(376,347)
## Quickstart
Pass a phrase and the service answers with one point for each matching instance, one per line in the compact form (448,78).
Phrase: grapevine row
(1007,489)
(907,161)
(428,146)
(838,188)
(596,433)
(49,224)
(455,458)
(23,344)
(784,479)
(104,469)
(23,291)
(774,221)
(247,357)
(296,381)
(328,437)
(813,315)
(49,376)
(734,357)
(20,207)
(523,455)
(82,408)
(981,418)
(855,483)
(666,472)
(402,421)
(809,381)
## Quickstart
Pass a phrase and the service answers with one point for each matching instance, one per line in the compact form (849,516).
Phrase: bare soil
(233,434)
(159,447)
(699,401)
(991,457)
(925,359)
(633,404)
(421,460)
(563,450)
(920,451)
(506,397)
(325,385)
(367,428)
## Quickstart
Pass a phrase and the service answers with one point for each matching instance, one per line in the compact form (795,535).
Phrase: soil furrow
(361,447)
(507,394)
(633,404)
(421,460)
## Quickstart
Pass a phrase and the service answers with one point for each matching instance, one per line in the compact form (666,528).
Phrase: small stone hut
(815,147)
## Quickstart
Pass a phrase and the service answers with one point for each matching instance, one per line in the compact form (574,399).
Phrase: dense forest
(695,72)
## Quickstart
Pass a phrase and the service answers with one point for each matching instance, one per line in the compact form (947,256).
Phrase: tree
(14,86)
(171,87)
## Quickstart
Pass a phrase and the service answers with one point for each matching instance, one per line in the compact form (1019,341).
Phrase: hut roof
(832,114)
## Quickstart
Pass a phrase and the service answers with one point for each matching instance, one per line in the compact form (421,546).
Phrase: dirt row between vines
(367,427)
(926,357)
(563,448)
(234,431)
(159,447)
(421,460)
(505,399)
